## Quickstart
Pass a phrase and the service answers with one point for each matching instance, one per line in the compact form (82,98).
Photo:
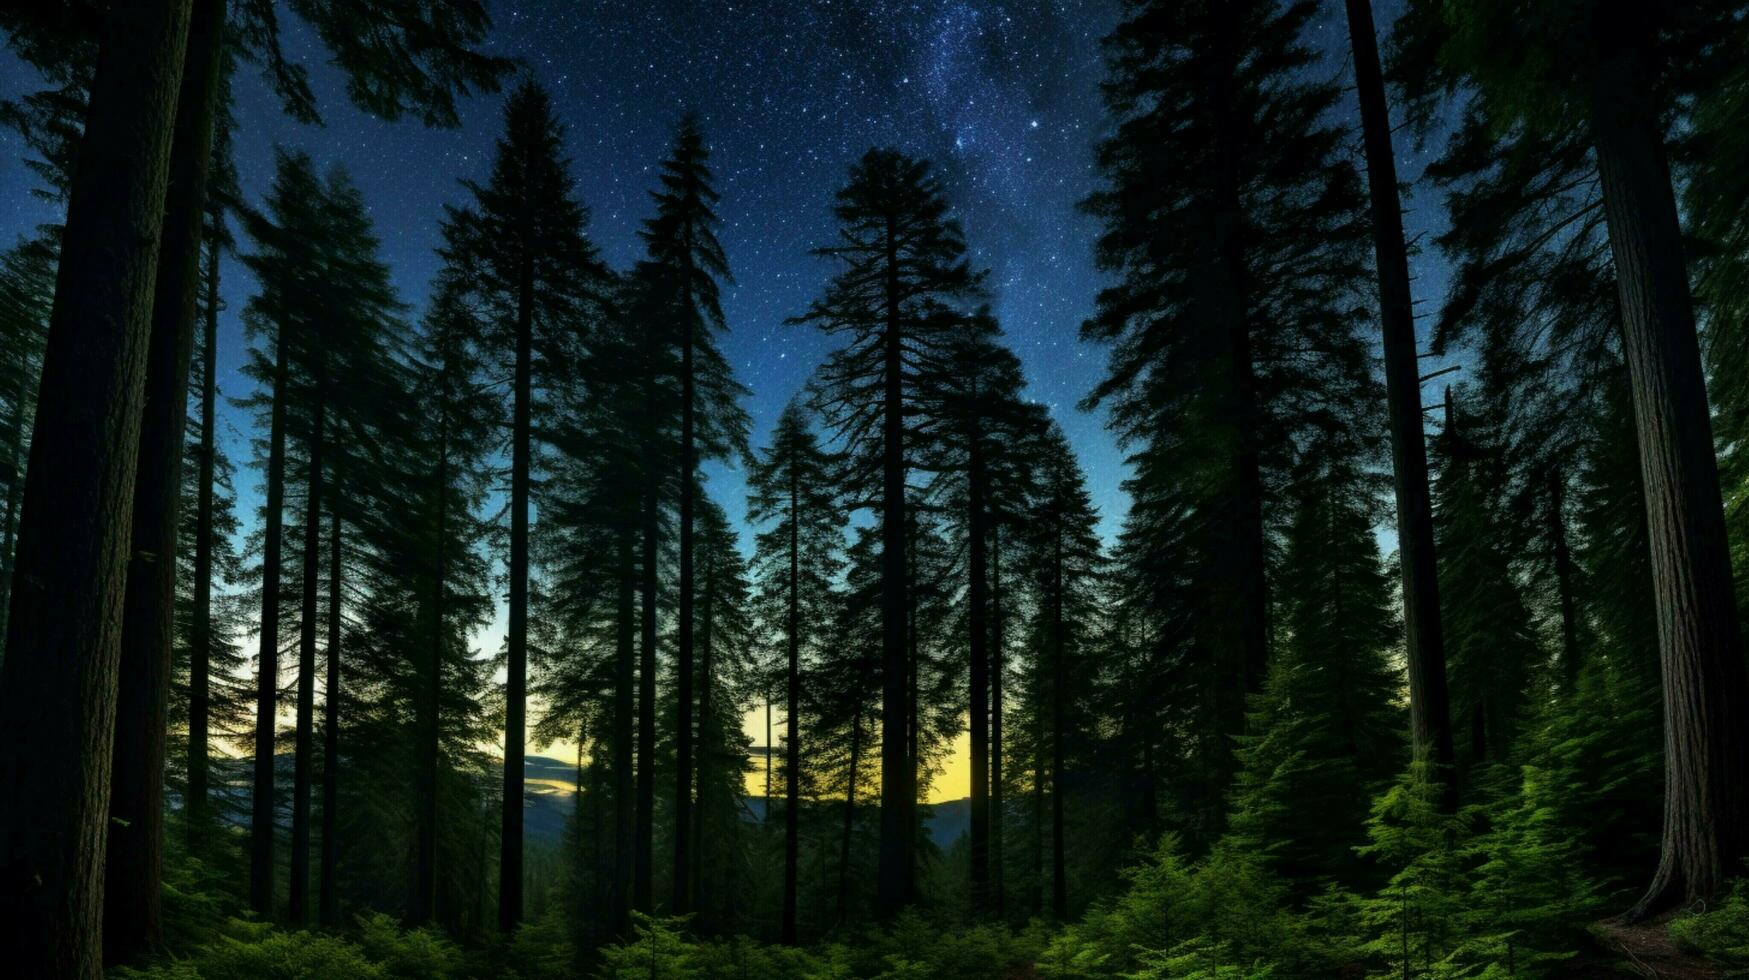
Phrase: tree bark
(133,872)
(262,802)
(58,686)
(792,728)
(1429,702)
(893,877)
(298,898)
(516,639)
(1706,768)
(327,908)
(198,818)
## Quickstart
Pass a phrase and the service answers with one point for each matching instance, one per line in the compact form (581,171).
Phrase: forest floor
(1640,950)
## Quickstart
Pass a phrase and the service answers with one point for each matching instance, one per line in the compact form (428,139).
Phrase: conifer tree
(457,422)
(903,271)
(287,237)
(1606,87)
(63,632)
(1325,734)
(686,262)
(532,272)
(1065,562)
(1493,648)
(796,562)
(26,291)
(1216,348)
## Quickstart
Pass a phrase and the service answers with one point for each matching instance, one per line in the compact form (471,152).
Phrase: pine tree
(1606,87)
(532,272)
(976,420)
(1217,350)
(450,584)
(1429,701)
(287,238)
(1490,637)
(686,262)
(796,562)
(1065,562)
(26,291)
(904,267)
(63,633)
(1325,734)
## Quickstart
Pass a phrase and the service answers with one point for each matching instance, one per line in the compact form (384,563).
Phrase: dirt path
(1646,950)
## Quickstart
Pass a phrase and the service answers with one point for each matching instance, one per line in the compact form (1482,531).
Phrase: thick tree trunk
(58,687)
(298,900)
(979,711)
(262,799)
(198,818)
(327,909)
(893,876)
(516,639)
(133,872)
(997,640)
(683,761)
(792,727)
(429,719)
(1429,707)
(624,712)
(1706,763)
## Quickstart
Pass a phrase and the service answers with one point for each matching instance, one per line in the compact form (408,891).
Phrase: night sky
(1001,94)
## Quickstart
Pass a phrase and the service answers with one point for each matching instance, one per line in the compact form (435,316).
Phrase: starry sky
(1001,94)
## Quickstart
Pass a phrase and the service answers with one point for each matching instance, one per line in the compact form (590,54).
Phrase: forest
(1414,651)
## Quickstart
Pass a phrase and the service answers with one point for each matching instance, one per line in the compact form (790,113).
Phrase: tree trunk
(683,761)
(516,639)
(327,903)
(792,729)
(1706,769)
(1429,707)
(997,639)
(646,822)
(429,720)
(262,800)
(625,662)
(979,710)
(849,816)
(1059,652)
(1038,815)
(707,878)
(58,687)
(893,878)
(201,630)
(133,872)
(298,901)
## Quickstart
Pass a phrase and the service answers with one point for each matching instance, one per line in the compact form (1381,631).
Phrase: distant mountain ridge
(549,805)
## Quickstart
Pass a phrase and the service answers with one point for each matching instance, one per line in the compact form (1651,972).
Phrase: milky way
(1002,96)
